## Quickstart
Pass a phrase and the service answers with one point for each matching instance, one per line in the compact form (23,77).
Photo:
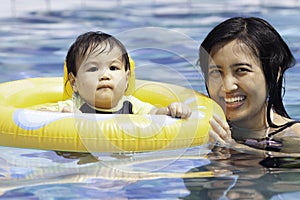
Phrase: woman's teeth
(234,99)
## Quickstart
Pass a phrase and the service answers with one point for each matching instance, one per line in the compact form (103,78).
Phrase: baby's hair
(87,43)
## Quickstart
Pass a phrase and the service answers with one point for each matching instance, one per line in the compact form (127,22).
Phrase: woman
(243,61)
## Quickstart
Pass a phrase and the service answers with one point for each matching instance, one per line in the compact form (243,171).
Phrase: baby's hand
(179,110)
(69,109)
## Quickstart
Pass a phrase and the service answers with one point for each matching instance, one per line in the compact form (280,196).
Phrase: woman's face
(237,83)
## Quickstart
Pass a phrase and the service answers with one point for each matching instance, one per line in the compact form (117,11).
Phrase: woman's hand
(220,132)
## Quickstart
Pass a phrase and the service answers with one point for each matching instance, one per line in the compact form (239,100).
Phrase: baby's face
(101,79)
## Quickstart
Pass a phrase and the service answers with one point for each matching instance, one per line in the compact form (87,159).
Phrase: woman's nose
(229,83)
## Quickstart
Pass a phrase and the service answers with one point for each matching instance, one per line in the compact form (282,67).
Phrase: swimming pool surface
(163,38)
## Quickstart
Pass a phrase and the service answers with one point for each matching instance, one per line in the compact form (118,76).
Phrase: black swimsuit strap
(284,126)
(126,109)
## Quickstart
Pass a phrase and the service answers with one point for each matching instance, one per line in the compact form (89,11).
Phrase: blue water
(163,38)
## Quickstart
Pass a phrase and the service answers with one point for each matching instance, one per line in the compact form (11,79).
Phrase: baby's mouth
(103,86)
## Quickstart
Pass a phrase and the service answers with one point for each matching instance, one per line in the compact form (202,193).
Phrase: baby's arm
(175,109)
(61,106)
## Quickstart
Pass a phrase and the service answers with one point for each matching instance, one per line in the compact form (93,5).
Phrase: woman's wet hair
(87,43)
(265,43)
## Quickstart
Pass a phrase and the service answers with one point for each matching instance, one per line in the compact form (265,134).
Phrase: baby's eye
(92,69)
(113,68)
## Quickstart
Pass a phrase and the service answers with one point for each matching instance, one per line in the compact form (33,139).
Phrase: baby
(98,70)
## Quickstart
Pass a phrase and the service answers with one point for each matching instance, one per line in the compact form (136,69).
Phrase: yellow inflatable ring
(25,128)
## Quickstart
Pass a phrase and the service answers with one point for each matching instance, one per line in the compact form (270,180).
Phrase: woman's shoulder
(295,127)
(288,127)
(291,138)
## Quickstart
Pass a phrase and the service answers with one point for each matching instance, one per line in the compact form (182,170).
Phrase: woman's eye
(215,73)
(242,70)
(92,69)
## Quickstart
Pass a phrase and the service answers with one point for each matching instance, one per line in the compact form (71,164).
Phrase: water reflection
(196,173)
(253,177)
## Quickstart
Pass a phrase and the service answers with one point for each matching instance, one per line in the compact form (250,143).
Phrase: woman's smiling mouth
(236,99)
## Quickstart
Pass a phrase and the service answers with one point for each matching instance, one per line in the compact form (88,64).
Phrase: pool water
(163,38)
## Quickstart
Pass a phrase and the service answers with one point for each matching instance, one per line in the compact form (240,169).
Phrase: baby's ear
(127,78)
(72,80)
